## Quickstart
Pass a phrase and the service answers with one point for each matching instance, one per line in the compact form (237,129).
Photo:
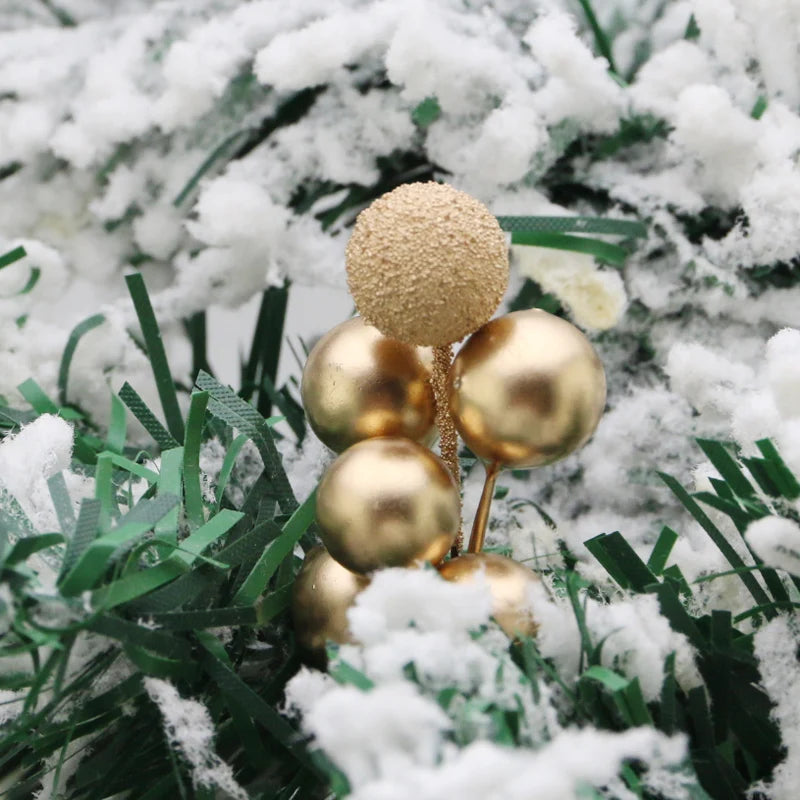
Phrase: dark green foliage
(532,296)
(427,112)
(692,29)
(11,256)
(187,564)
(733,741)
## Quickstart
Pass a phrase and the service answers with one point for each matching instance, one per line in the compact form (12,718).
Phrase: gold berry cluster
(428,265)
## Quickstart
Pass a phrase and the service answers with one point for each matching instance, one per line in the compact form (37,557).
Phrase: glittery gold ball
(526,389)
(359,384)
(323,591)
(427,264)
(387,503)
(509,585)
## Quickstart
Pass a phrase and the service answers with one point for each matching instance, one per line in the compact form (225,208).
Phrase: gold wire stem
(448,438)
(482,512)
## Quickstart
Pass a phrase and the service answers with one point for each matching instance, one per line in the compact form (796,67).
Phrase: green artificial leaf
(661,550)
(759,107)
(236,412)
(692,31)
(726,466)
(62,503)
(347,674)
(717,537)
(621,561)
(778,471)
(193,489)
(86,528)
(261,369)
(170,483)
(93,561)
(25,548)
(78,332)
(426,113)
(601,39)
(117,426)
(156,355)
(603,251)
(228,463)
(235,689)
(148,419)
(600,225)
(12,256)
(279,549)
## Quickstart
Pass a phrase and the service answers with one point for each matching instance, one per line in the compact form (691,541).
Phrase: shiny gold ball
(387,503)
(509,585)
(427,264)
(323,591)
(358,384)
(526,389)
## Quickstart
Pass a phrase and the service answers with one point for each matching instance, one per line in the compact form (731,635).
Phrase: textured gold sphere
(509,585)
(526,389)
(387,503)
(323,591)
(427,264)
(358,384)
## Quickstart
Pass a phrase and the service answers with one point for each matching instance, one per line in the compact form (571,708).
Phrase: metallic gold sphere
(509,585)
(358,384)
(427,264)
(526,389)
(387,503)
(323,591)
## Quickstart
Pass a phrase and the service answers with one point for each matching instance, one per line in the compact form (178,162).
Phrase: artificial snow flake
(189,729)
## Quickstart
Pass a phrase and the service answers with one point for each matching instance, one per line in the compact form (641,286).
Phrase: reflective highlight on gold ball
(427,264)
(509,585)
(323,591)
(387,503)
(359,384)
(526,389)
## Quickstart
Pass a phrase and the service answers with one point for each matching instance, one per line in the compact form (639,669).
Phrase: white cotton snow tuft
(776,540)
(557,771)
(343,37)
(394,740)
(381,733)
(719,136)
(397,598)
(29,459)
(234,211)
(710,381)
(578,85)
(776,646)
(484,769)
(189,729)
(783,371)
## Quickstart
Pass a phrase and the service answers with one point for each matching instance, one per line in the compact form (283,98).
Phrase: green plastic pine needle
(599,225)
(282,547)
(193,490)
(149,421)
(734,559)
(156,354)
(79,331)
(603,251)
(12,256)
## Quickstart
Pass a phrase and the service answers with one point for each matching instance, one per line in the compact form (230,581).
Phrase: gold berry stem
(448,438)
(482,513)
